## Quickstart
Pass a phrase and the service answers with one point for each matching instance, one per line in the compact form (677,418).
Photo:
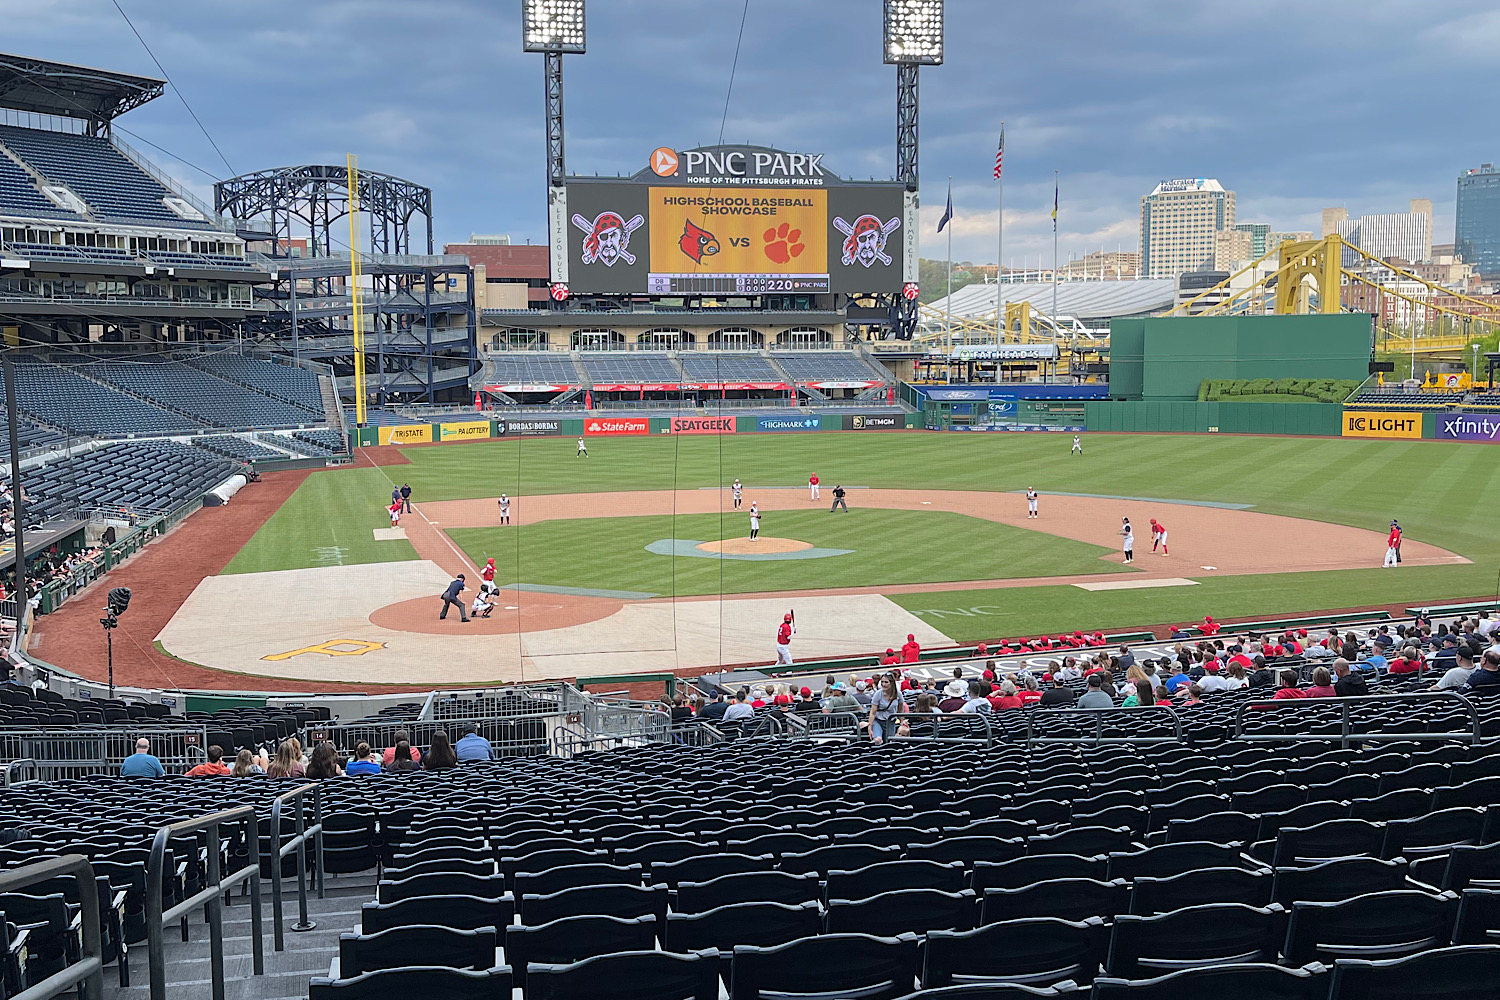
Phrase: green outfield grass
(1444,493)
(327,522)
(889,547)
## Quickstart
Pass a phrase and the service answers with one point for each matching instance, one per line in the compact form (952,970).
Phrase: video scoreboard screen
(732,221)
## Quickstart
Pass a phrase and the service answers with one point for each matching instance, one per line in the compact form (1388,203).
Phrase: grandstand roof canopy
(1084,300)
(54,88)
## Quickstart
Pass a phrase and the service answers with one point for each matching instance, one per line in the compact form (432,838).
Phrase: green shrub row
(1316,390)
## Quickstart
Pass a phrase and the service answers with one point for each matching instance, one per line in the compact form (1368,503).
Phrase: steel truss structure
(418,306)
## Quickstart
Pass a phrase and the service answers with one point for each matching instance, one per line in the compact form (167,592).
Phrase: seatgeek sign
(1468,427)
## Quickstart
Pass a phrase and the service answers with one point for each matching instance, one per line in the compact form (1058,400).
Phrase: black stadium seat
(1251,981)
(628,975)
(572,939)
(1037,952)
(448,984)
(827,966)
(1461,973)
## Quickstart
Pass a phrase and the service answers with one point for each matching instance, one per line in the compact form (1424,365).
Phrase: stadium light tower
(553,27)
(913,38)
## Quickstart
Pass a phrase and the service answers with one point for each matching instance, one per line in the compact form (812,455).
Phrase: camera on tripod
(118,602)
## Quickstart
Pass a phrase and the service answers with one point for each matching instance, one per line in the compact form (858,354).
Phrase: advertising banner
(875,422)
(702,425)
(470,430)
(1381,424)
(406,434)
(788,423)
(738,231)
(615,426)
(529,428)
(1467,427)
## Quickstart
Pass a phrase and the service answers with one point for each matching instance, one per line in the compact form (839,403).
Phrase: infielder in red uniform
(784,639)
(1158,536)
(812,486)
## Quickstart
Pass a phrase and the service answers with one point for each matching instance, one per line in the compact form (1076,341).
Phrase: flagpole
(948,302)
(1000,238)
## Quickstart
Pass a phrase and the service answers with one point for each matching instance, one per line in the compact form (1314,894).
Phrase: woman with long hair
(884,706)
(440,755)
(1142,696)
(401,760)
(246,766)
(325,762)
(288,762)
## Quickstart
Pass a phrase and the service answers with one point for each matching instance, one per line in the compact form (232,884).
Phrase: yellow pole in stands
(352,165)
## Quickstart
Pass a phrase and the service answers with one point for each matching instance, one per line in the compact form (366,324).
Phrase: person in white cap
(1128,533)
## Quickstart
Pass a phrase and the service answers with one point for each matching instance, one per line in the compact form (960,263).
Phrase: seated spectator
(1126,657)
(782,698)
(739,709)
(1209,626)
(471,746)
(977,701)
(715,709)
(861,691)
(1095,696)
(1006,697)
(889,658)
(1288,688)
(325,762)
(1382,639)
(1375,662)
(1143,695)
(247,765)
(390,752)
(1487,676)
(1486,626)
(1457,675)
(1214,679)
(1409,662)
(1347,683)
(1031,693)
(143,763)
(403,759)
(806,704)
(1194,696)
(213,767)
(1070,670)
(1236,676)
(957,687)
(926,705)
(1261,675)
(1322,682)
(288,762)
(1059,695)
(842,700)
(759,698)
(1178,678)
(362,762)
(440,756)
(911,650)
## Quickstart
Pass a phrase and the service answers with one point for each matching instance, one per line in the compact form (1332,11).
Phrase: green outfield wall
(1165,416)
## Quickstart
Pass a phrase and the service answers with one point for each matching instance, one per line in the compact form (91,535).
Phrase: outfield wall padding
(1165,416)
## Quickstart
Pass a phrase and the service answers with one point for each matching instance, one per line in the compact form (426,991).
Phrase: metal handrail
(18,764)
(297,843)
(211,897)
(1099,716)
(88,972)
(1344,703)
(952,720)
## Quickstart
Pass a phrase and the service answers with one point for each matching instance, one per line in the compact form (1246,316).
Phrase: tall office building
(1477,220)
(1178,221)
(1258,232)
(1407,235)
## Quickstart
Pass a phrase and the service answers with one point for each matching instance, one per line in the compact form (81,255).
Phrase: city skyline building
(1407,235)
(1476,222)
(1179,220)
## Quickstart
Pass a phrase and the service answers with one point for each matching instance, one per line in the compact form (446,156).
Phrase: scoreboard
(739,220)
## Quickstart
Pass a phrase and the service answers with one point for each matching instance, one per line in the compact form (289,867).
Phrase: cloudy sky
(1294,105)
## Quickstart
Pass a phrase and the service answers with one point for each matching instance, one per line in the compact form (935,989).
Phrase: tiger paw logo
(782,243)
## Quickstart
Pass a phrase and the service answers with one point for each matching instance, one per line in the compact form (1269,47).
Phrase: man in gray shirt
(842,700)
(740,709)
(1095,697)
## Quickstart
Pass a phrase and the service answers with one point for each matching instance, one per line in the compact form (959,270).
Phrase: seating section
(321,442)
(531,369)
(1380,398)
(28,434)
(287,383)
(720,366)
(61,397)
(214,401)
(631,369)
(147,477)
(827,366)
(92,168)
(244,449)
(19,196)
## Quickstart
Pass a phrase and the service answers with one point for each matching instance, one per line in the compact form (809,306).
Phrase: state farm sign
(702,425)
(615,426)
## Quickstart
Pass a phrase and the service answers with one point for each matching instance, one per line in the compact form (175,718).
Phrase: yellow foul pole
(352,166)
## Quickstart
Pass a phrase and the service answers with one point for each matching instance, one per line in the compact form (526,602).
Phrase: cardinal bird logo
(697,243)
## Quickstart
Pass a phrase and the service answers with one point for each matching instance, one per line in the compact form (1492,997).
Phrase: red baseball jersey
(784,633)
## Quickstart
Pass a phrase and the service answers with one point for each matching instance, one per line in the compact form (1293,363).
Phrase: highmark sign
(1381,424)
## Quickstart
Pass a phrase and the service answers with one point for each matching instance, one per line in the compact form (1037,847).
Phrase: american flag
(1000,155)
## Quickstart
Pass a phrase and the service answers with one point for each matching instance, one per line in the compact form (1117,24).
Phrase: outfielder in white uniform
(739,493)
(583,449)
(1077,445)
(1031,502)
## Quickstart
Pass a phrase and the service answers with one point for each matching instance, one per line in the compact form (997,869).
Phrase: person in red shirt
(982,649)
(812,486)
(1242,660)
(1005,697)
(1289,688)
(1032,692)
(395,510)
(1409,662)
(1158,535)
(889,658)
(1322,684)
(911,649)
(487,575)
(1209,626)
(214,767)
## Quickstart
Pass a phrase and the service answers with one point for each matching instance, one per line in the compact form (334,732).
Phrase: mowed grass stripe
(328,521)
(890,547)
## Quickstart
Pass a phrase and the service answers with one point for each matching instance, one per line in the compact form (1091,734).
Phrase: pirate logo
(608,238)
(864,241)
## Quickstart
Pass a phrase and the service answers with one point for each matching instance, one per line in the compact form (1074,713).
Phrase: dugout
(1167,358)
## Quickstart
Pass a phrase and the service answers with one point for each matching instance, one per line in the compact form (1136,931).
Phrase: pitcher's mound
(754,546)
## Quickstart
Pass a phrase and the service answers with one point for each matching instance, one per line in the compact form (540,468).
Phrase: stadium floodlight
(914,32)
(552,25)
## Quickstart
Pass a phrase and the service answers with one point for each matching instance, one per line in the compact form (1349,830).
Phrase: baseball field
(635,557)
